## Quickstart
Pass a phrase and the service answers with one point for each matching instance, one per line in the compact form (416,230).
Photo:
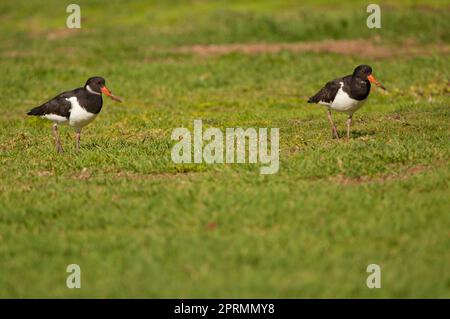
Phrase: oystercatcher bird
(346,94)
(77,108)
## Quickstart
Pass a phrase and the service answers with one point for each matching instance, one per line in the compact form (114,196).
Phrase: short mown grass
(140,225)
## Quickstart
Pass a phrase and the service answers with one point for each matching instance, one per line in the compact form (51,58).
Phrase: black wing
(327,93)
(58,105)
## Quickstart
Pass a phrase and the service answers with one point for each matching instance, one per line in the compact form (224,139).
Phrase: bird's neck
(359,82)
(360,88)
(91,91)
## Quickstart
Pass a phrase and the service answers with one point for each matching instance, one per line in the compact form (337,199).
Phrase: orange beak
(372,79)
(108,93)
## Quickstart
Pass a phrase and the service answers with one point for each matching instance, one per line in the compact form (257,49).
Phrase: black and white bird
(346,94)
(77,108)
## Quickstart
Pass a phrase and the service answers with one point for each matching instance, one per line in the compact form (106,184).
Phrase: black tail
(312,99)
(36,111)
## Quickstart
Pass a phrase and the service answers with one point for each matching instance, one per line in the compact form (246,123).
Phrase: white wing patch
(79,117)
(55,118)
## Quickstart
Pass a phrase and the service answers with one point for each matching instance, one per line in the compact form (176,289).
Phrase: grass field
(140,225)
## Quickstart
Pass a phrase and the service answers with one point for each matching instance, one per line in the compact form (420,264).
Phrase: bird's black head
(96,85)
(362,71)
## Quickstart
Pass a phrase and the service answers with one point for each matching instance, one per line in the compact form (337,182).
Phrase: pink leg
(58,145)
(333,127)
(349,123)
(77,137)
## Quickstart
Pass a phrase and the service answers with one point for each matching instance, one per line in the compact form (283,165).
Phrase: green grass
(141,226)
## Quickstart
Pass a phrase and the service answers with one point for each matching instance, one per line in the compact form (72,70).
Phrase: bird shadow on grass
(357,134)
(92,146)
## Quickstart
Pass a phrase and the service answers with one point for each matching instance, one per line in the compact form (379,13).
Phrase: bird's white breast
(344,103)
(79,117)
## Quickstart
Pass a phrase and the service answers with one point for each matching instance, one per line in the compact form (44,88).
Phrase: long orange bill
(372,79)
(112,96)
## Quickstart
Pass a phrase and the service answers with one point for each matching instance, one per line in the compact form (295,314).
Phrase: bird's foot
(335,135)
